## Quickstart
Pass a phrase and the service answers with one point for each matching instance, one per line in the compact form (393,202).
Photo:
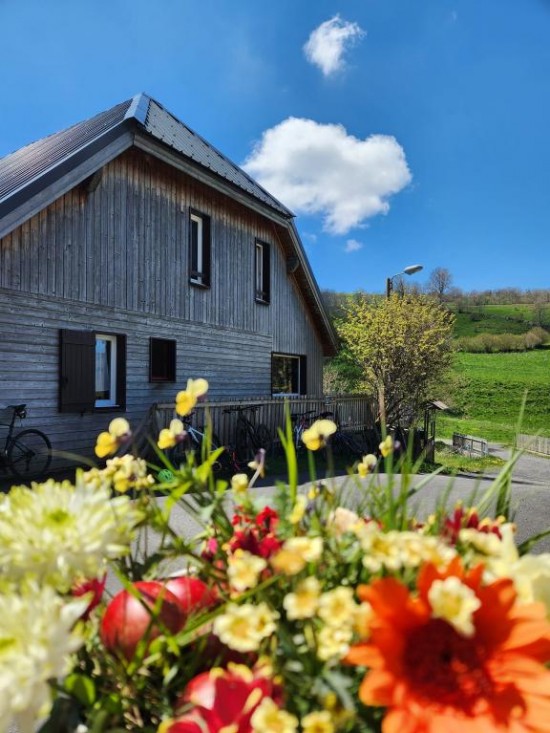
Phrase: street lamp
(410,270)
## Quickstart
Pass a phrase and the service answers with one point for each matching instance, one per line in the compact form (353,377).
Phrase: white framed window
(105,370)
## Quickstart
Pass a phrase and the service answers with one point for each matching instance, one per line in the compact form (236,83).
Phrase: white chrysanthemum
(58,533)
(36,641)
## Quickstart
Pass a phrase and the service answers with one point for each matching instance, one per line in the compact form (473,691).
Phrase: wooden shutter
(76,371)
(121,370)
(303,375)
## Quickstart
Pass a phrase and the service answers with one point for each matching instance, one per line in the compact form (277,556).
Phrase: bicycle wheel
(241,443)
(263,438)
(29,454)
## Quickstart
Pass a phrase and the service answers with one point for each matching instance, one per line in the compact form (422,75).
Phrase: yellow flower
(454,602)
(187,398)
(367,465)
(386,446)
(318,722)
(337,607)
(171,435)
(242,628)
(269,718)
(333,642)
(244,569)
(239,484)
(296,553)
(362,619)
(531,576)
(108,442)
(298,510)
(315,437)
(304,602)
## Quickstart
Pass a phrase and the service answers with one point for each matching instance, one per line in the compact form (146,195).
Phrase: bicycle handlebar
(253,408)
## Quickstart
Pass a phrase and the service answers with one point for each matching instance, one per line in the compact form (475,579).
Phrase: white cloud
(315,168)
(352,245)
(326,45)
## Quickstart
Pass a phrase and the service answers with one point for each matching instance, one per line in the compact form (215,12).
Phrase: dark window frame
(200,252)
(301,374)
(262,272)
(77,375)
(162,349)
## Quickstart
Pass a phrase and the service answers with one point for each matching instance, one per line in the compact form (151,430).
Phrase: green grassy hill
(500,319)
(487,392)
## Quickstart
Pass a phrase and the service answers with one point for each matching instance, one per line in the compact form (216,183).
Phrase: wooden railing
(534,444)
(351,412)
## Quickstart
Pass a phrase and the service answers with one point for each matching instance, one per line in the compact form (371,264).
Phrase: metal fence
(471,445)
(350,412)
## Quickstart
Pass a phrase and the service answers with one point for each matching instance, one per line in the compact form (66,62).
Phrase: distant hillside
(519,318)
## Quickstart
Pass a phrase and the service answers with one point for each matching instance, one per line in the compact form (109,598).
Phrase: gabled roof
(35,175)
(27,167)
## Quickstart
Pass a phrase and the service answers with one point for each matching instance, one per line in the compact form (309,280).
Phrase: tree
(439,282)
(403,345)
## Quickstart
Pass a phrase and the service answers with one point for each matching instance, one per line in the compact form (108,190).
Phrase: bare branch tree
(439,282)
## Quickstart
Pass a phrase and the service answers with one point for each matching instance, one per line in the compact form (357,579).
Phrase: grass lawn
(488,394)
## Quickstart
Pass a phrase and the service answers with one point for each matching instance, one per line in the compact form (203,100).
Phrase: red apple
(127,620)
(192,593)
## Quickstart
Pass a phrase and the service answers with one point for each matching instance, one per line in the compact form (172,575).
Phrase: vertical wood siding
(116,259)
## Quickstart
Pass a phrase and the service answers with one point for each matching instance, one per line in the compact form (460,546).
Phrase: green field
(487,392)
(500,319)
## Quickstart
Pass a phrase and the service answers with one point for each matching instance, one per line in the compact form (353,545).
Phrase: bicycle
(194,441)
(249,437)
(302,421)
(27,453)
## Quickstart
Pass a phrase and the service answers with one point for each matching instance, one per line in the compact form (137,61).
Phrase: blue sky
(399,132)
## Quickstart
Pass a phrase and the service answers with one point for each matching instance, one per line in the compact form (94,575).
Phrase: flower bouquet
(324,608)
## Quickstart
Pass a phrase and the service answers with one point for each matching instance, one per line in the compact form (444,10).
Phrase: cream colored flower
(298,510)
(342,520)
(58,533)
(367,465)
(337,607)
(37,637)
(243,569)
(386,446)
(315,437)
(127,472)
(333,642)
(243,628)
(187,398)
(304,601)
(362,619)
(173,434)
(455,603)
(531,575)
(295,553)
(239,484)
(269,718)
(486,543)
(319,721)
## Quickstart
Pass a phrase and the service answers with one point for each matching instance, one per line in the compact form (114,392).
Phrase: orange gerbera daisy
(434,676)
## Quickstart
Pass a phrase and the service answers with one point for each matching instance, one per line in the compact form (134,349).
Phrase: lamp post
(410,270)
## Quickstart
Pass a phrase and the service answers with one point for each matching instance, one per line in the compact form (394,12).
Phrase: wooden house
(134,255)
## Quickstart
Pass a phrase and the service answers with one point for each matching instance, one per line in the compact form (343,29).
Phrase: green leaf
(81,687)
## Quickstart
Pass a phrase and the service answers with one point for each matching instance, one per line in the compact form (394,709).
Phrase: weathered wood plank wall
(116,259)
